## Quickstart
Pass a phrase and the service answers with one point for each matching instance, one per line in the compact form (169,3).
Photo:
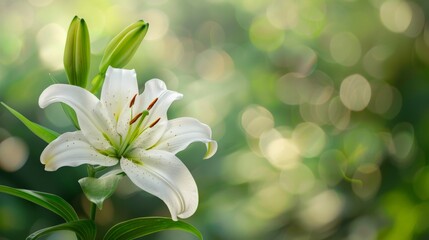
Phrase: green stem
(96,83)
(93,208)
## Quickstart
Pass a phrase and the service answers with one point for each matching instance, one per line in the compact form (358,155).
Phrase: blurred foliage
(320,108)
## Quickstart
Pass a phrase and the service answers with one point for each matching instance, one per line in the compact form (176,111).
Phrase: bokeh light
(51,40)
(367,181)
(13,154)
(321,210)
(345,48)
(355,92)
(402,17)
(264,35)
(257,120)
(159,24)
(297,180)
(309,138)
(396,15)
(280,151)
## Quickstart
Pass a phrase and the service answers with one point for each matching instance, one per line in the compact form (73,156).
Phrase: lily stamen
(152,103)
(136,118)
(133,100)
(154,123)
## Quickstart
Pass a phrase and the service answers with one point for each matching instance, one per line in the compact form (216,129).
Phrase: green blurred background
(320,109)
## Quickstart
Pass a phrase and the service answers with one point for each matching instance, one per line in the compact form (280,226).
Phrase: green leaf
(140,227)
(84,229)
(77,53)
(44,133)
(49,201)
(71,114)
(121,49)
(99,189)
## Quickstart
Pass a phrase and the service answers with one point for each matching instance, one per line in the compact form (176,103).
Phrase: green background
(320,109)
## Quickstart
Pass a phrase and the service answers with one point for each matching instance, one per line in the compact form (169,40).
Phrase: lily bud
(123,46)
(77,53)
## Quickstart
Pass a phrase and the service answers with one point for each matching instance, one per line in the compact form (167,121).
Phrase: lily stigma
(129,133)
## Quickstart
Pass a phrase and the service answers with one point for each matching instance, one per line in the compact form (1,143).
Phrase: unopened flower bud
(77,53)
(123,46)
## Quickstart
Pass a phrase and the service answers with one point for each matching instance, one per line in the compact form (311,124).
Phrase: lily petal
(91,120)
(72,149)
(160,108)
(119,88)
(181,132)
(156,89)
(152,89)
(165,176)
(151,135)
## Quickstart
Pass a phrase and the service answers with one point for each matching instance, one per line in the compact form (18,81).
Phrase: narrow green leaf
(99,189)
(44,133)
(139,227)
(49,201)
(84,229)
(71,114)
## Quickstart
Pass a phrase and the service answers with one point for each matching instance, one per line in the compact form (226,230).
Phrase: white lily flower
(131,131)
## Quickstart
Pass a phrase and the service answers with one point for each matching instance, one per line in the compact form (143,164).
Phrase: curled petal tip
(49,168)
(211,149)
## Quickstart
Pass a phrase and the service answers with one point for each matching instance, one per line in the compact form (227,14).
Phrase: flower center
(136,128)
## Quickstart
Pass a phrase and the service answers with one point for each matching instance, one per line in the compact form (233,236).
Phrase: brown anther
(152,103)
(133,100)
(135,118)
(155,122)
